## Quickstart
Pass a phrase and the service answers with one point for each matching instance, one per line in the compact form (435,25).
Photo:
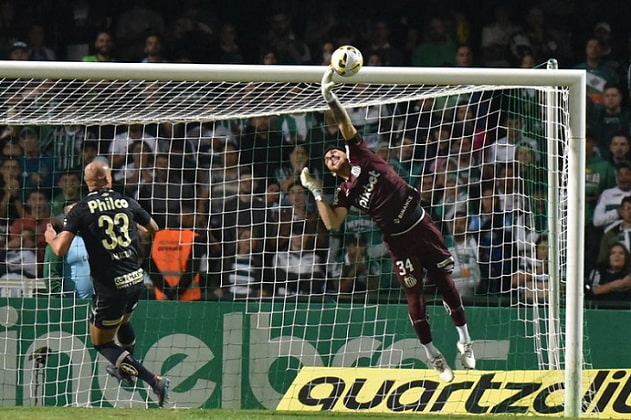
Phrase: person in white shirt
(607,211)
(121,142)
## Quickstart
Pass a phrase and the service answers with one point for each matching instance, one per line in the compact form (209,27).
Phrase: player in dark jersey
(107,221)
(414,242)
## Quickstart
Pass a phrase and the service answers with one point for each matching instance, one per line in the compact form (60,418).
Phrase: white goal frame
(574,80)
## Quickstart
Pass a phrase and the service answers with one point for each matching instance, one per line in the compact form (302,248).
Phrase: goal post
(118,94)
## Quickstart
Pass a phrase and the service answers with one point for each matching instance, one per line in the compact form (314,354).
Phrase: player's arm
(340,115)
(59,242)
(332,217)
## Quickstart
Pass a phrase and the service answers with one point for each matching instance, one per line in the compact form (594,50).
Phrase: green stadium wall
(226,354)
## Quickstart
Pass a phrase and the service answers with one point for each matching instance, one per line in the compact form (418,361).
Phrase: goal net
(214,154)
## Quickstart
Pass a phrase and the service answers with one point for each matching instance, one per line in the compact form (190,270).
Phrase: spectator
(228,50)
(492,227)
(354,272)
(618,232)
(272,199)
(402,158)
(243,209)
(610,280)
(103,48)
(37,40)
(137,170)
(607,209)
(261,146)
(463,247)
(464,56)
(541,38)
(224,178)
(163,196)
(66,144)
(282,39)
(380,44)
(69,184)
(120,144)
(21,256)
(80,20)
(437,48)
(515,203)
(599,74)
(37,170)
(132,28)
(602,32)
(11,207)
(288,174)
(503,150)
(610,117)
(496,36)
(242,273)
(297,214)
(188,38)
(599,175)
(36,218)
(298,270)
(19,51)
(619,147)
(531,279)
(527,60)
(207,142)
(153,49)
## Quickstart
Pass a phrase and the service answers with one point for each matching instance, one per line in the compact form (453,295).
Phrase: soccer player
(107,221)
(413,240)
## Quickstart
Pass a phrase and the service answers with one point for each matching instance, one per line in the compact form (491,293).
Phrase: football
(347,60)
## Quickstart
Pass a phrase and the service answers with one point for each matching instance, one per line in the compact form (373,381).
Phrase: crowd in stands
(232,187)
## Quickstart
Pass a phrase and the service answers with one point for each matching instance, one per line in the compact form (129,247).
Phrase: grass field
(71,413)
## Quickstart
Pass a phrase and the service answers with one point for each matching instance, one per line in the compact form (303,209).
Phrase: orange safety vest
(171,253)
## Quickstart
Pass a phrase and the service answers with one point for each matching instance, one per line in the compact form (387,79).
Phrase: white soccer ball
(347,60)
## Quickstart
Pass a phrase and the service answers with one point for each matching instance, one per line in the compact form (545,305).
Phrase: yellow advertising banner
(605,392)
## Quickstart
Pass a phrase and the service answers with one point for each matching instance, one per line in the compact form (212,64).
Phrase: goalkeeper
(413,240)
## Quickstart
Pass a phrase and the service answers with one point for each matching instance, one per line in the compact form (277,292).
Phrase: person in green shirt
(103,48)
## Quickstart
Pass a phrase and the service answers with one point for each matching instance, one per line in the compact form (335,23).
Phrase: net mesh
(222,160)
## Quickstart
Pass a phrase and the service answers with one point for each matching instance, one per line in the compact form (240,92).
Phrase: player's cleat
(466,354)
(161,389)
(444,371)
(123,378)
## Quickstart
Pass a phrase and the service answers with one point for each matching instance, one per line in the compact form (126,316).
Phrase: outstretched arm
(332,217)
(342,118)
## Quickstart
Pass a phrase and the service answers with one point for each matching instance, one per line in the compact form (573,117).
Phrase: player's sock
(431,350)
(127,337)
(125,362)
(463,334)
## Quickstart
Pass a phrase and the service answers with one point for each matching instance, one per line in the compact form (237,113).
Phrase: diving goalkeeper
(413,240)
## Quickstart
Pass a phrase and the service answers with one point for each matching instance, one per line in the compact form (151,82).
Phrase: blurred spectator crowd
(252,230)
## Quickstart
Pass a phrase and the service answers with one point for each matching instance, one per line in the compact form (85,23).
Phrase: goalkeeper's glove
(327,85)
(311,183)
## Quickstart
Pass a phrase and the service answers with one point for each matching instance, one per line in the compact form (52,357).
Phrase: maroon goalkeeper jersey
(375,188)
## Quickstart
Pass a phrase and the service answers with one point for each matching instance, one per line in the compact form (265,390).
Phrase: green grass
(72,413)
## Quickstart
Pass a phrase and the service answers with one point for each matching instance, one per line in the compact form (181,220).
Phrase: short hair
(625,164)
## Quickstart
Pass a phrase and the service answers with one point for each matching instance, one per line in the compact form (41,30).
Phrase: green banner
(240,355)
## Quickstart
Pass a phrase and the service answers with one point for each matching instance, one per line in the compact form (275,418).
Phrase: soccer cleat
(123,378)
(444,371)
(466,354)
(161,389)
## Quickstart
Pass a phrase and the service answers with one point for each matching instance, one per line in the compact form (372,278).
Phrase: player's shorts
(422,248)
(108,311)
